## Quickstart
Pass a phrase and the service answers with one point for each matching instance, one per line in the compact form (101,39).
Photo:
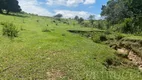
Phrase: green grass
(55,55)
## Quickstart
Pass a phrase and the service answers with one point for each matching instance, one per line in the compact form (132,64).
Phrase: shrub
(128,26)
(119,37)
(22,29)
(99,37)
(56,24)
(103,38)
(110,62)
(96,37)
(2,23)
(80,20)
(37,20)
(100,25)
(63,34)
(10,30)
(107,32)
(86,24)
(46,30)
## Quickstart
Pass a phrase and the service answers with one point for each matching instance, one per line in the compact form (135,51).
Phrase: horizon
(68,8)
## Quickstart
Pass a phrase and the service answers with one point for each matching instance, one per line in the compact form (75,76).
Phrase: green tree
(9,6)
(117,11)
(2,5)
(92,19)
(58,16)
(76,17)
(136,7)
(80,20)
(12,6)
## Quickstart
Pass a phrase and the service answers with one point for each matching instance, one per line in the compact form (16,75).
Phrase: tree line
(9,6)
(126,12)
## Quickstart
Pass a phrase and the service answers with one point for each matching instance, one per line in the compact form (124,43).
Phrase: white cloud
(89,1)
(74,2)
(33,6)
(58,2)
(69,2)
(72,14)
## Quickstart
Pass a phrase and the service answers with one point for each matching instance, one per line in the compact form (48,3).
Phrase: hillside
(46,50)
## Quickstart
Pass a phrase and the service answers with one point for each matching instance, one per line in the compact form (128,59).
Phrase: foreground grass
(55,55)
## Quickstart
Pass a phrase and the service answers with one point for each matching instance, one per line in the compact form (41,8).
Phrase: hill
(45,49)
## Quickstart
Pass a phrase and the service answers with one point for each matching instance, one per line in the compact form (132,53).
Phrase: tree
(2,4)
(92,19)
(116,11)
(58,16)
(12,6)
(76,18)
(80,20)
(136,7)
(126,12)
(9,6)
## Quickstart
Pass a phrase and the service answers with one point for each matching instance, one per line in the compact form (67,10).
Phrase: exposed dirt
(131,49)
(122,51)
(55,74)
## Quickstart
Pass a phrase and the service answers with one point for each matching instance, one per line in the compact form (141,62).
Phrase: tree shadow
(16,15)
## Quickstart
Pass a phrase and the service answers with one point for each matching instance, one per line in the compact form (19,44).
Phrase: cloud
(72,14)
(69,2)
(33,6)
(74,2)
(58,2)
(89,1)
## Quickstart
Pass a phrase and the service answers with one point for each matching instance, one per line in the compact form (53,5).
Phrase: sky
(68,8)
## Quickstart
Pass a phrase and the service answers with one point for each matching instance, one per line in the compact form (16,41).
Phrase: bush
(107,32)
(128,26)
(10,30)
(110,62)
(86,24)
(96,37)
(45,30)
(100,25)
(99,37)
(119,37)
(103,38)
(2,23)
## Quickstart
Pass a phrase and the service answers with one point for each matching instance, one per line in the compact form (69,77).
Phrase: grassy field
(56,54)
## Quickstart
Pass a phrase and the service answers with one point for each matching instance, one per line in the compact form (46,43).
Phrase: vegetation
(76,17)
(55,48)
(80,20)
(127,12)
(92,19)
(9,6)
(58,16)
(9,30)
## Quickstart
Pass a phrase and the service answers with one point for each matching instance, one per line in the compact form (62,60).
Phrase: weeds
(10,30)
(46,30)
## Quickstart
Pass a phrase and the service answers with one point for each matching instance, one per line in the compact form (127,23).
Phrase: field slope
(55,54)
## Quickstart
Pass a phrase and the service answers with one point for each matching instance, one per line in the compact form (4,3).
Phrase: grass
(55,55)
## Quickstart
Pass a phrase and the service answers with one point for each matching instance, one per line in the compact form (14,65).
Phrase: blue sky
(69,8)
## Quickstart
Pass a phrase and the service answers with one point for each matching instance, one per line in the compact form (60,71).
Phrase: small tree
(12,6)
(80,20)
(2,5)
(92,19)
(58,16)
(76,17)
